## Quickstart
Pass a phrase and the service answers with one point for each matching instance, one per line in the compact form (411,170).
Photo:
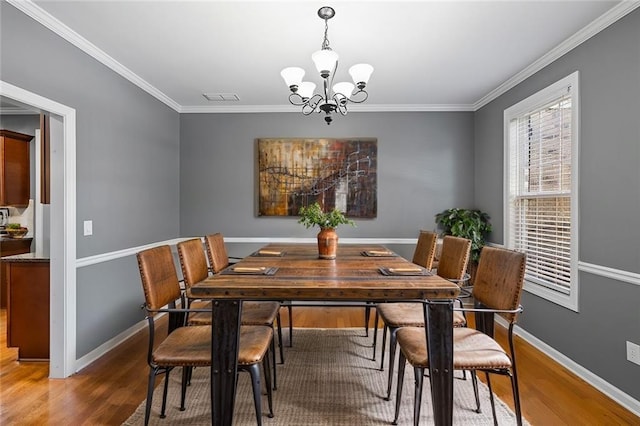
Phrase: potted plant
(472,224)
(313,215)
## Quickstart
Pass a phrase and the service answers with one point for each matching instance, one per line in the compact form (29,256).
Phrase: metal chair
(254,313)
(423,255)
(190,346)
(452,266)
(497,289)
(193,261)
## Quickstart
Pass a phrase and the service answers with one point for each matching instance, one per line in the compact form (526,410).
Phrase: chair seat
(254,343)
(472,349)
(259,313)
(253,313)
(191,346)
(397,315)
(185,346)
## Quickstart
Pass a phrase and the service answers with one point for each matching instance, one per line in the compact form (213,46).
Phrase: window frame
(554,91)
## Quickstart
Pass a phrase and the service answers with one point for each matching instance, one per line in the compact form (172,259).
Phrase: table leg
(439,316)
(225,341)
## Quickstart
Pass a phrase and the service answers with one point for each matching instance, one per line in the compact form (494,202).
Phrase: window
(541,145)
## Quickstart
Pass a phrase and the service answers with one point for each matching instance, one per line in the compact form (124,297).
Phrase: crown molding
(44,18)
(612,15)
(210,109)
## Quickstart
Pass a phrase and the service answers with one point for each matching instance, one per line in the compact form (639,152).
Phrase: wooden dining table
(293,272)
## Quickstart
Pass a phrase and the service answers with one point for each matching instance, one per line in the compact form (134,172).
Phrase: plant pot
(327,243)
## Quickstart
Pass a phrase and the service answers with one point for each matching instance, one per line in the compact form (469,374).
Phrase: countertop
(4,238)
(26,258)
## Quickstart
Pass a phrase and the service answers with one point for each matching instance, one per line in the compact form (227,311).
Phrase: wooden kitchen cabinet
(15,184)
(28,308)
(9,247)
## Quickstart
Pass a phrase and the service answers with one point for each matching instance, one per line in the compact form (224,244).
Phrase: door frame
(62,351)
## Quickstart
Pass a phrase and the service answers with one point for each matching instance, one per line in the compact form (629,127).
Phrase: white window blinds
(540,189)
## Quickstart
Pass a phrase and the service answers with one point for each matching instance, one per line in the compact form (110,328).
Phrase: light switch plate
(88,227)
(633,352)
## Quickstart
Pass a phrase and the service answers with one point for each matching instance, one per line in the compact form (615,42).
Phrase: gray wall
(425,164)
(609,66)
(127,165)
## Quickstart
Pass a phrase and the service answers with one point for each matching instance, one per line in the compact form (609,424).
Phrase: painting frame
(335,172)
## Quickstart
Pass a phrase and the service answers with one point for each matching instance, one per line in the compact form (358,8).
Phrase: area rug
(328,379)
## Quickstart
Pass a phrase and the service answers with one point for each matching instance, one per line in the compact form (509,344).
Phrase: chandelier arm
(296,99)
(333,74)
(311,104)
(362,94)
(342,108)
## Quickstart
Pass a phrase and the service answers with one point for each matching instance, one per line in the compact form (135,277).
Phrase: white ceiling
(442,55)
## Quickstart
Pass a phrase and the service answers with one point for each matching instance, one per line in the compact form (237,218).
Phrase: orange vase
(327,243)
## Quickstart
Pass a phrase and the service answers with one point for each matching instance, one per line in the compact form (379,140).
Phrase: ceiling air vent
(221,97)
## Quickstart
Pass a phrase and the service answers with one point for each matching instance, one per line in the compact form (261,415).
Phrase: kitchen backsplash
(23,216)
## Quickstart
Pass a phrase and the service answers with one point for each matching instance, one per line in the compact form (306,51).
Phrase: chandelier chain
(325,42)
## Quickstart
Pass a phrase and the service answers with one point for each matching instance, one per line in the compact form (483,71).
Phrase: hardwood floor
(109,390)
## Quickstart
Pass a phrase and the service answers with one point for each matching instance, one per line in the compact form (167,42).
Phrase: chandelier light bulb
(343,88)
(292,76)
(360,73)
(325,61)
(306,89)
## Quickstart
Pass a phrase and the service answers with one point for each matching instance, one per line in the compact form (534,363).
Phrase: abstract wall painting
(338,173)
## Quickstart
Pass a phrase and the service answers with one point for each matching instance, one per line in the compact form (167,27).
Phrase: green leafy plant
(466,223)
(13,226)
(313,215)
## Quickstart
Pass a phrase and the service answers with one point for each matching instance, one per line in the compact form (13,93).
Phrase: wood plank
(301,275)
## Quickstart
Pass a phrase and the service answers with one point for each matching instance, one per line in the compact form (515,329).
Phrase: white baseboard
(110,344)
(622,398)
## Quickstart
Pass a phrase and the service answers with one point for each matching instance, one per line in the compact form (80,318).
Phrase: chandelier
(334,97)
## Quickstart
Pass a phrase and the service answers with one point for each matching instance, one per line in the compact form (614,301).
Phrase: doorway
(62,353)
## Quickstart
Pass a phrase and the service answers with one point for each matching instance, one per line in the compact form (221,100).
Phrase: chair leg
(401,364)
(419,374)
(275,373)
(267,382)
(514,382)
(150,386)
(375,334)
(516,397)
(393,344)
(474,381)
(367,316)
(384,344)
(190,375)
(186,374)
(290,309)
(493,404)
(164,394)
(280,339)
(254,372)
